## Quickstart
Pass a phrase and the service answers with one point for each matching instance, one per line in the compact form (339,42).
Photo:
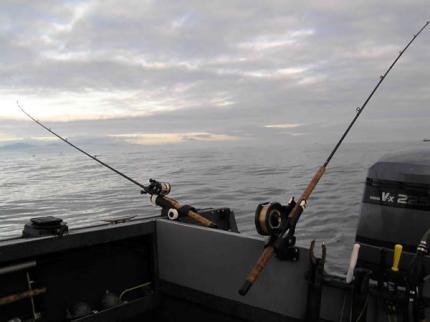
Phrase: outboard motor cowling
(396,204)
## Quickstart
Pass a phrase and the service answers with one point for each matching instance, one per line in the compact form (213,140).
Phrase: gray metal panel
(217,262)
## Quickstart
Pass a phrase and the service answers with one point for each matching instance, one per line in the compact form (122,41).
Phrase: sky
(170,72)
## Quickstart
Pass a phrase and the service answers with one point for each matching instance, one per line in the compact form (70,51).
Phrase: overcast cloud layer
(173,71)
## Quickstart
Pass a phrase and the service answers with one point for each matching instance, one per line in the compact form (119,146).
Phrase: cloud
(210,67)
(169,138)
(44,138)
(284,126)
(8,138)
(277,40)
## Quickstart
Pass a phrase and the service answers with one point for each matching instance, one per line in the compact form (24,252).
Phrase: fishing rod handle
(352,263)
(398,249)
(312,184)
(300,205)
(256,270)
(20,296)
(192,214)
(200,219)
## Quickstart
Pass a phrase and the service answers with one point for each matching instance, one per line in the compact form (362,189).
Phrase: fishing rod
(157,190)
(284,237)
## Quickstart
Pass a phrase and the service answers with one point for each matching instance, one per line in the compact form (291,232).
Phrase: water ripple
(83,193)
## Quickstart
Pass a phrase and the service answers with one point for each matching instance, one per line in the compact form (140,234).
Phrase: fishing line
(287,238)
(381,79)
(157,190)
(80,150)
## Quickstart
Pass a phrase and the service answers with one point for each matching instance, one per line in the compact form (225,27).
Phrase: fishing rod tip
(19,105)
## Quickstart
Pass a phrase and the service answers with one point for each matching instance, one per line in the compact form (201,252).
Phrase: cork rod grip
(20,296)
(256,270)
(192,214)
(200,219)
(296,211)
(311,186)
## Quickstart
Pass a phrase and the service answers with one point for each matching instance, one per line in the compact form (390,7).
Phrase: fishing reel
(271,218)
(157,188)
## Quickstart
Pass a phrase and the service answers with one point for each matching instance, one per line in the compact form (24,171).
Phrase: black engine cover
(396,204)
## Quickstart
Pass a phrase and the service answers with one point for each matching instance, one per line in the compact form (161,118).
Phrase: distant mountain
(17,146)
(92,144)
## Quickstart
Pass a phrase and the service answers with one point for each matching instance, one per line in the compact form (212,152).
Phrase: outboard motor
(395,207)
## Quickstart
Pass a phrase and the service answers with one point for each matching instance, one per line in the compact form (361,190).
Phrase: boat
(189,264)
(161,269)
(426,140)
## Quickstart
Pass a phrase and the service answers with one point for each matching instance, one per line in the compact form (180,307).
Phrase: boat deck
(162,270)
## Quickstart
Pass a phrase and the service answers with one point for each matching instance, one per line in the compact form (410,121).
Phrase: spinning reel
(157,188)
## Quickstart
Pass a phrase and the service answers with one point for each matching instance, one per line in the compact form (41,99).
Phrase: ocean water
(69,185)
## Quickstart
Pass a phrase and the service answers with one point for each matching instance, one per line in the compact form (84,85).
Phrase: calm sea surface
(77,189)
